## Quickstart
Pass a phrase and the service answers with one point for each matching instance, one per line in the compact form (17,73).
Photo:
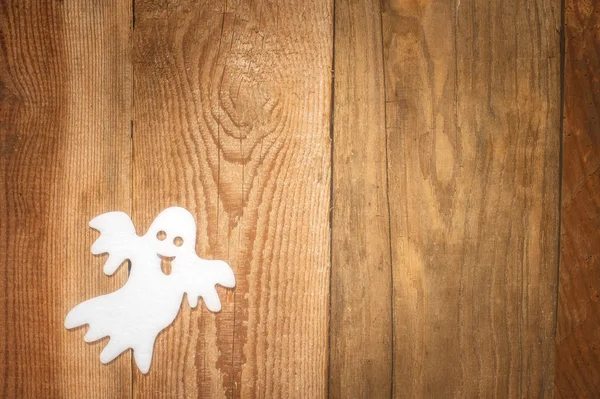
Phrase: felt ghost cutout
(150,299)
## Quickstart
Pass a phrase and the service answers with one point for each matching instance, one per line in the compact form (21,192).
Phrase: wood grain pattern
(232,105)
(361,312)
(577,340)
(436,207)
(64,158)
(473,123)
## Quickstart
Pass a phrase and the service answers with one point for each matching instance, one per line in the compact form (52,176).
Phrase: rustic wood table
(408,192)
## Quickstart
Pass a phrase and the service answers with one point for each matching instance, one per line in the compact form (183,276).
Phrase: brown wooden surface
(472,93)
(232,103)
(577,336)
(64,158)
(383,178)
(361,312)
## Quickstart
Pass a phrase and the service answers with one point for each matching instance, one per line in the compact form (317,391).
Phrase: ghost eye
(178,241)
(161,235)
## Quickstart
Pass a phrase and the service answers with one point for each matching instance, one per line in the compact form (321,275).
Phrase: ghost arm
(117,236)
(201,279)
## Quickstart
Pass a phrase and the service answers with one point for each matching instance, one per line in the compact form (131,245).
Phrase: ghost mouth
(165,263)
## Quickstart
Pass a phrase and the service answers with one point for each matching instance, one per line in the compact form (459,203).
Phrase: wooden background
(408,192)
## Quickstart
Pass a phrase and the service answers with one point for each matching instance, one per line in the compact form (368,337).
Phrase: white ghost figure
(150,300)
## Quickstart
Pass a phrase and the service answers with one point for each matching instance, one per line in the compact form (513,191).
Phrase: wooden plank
(473,123)
(64,158)
(361,311)
(232,105)
(577,341)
